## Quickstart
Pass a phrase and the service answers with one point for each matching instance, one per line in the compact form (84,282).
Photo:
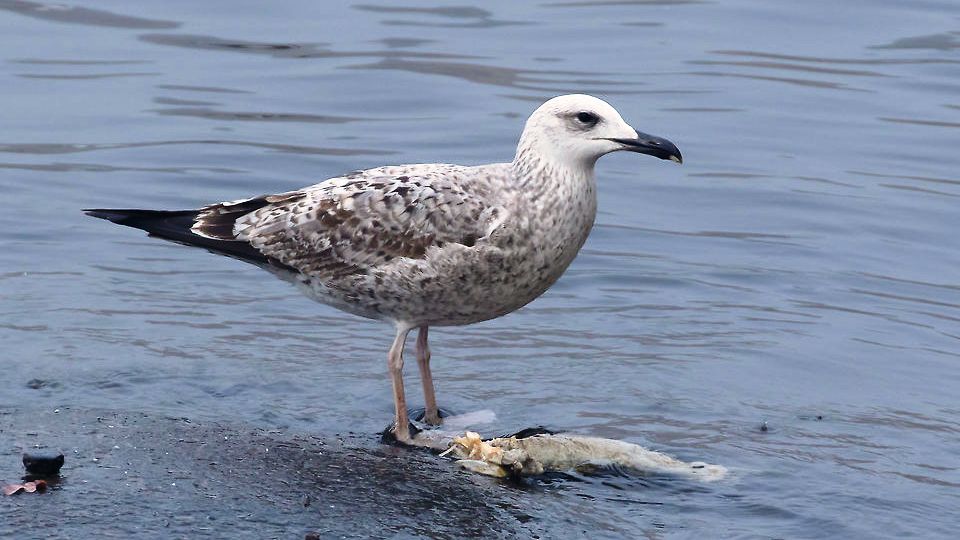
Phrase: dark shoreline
(150,475)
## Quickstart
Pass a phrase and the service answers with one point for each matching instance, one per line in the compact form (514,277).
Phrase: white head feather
(576,129)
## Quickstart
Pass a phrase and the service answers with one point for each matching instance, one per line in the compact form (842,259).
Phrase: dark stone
(43,464)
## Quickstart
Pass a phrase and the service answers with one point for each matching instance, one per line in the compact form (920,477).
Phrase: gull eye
(588,119)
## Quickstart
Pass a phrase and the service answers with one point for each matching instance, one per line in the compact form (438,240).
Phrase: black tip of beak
(652,146)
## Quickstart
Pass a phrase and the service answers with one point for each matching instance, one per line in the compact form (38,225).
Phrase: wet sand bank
(149,475)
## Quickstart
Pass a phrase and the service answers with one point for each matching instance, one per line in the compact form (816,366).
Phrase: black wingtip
(177,225)
(103,213)
(147,220)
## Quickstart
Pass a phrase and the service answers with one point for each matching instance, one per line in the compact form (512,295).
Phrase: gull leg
(432,415)
(395,365)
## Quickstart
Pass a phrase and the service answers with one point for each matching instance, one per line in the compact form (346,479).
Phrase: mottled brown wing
(351,225)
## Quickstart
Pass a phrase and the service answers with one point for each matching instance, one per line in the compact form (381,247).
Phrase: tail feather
(177,225)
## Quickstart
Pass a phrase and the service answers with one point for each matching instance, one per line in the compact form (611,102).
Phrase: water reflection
(211,89)
(80,15)
(553,80)
(88,75)
(921,122)
(814,83)
(831,60)
(53,148)
(472,17)
(790,67)
(575,4)
(281,50)
(939,42)
(246,116)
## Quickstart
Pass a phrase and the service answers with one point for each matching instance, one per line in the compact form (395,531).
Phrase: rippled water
(787,303)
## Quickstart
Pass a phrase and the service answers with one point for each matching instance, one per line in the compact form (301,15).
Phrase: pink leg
(432,415)
(395,365)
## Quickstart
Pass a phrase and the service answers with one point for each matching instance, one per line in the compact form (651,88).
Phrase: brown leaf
(28,487)
(11,489)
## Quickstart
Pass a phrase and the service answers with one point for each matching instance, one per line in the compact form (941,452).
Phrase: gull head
(577,129)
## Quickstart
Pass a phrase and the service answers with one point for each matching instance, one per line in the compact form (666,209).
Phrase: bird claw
(416,425)
(425,422)
(389,435)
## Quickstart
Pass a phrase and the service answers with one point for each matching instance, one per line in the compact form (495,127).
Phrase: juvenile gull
(426,244)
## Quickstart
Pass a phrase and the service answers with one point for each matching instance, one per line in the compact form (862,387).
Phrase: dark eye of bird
(587,118)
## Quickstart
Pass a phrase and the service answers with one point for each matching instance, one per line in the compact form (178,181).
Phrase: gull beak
(651,145)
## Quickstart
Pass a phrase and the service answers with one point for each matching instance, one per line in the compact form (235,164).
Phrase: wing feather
(352,224)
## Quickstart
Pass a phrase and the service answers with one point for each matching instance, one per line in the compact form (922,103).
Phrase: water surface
(786,303)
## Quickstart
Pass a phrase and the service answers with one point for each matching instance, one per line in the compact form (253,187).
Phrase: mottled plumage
(369,241)
(427,244)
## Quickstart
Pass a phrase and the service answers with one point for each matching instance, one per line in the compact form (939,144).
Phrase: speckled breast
(517,262)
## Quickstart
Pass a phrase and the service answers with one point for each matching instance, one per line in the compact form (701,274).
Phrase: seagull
(426,244)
